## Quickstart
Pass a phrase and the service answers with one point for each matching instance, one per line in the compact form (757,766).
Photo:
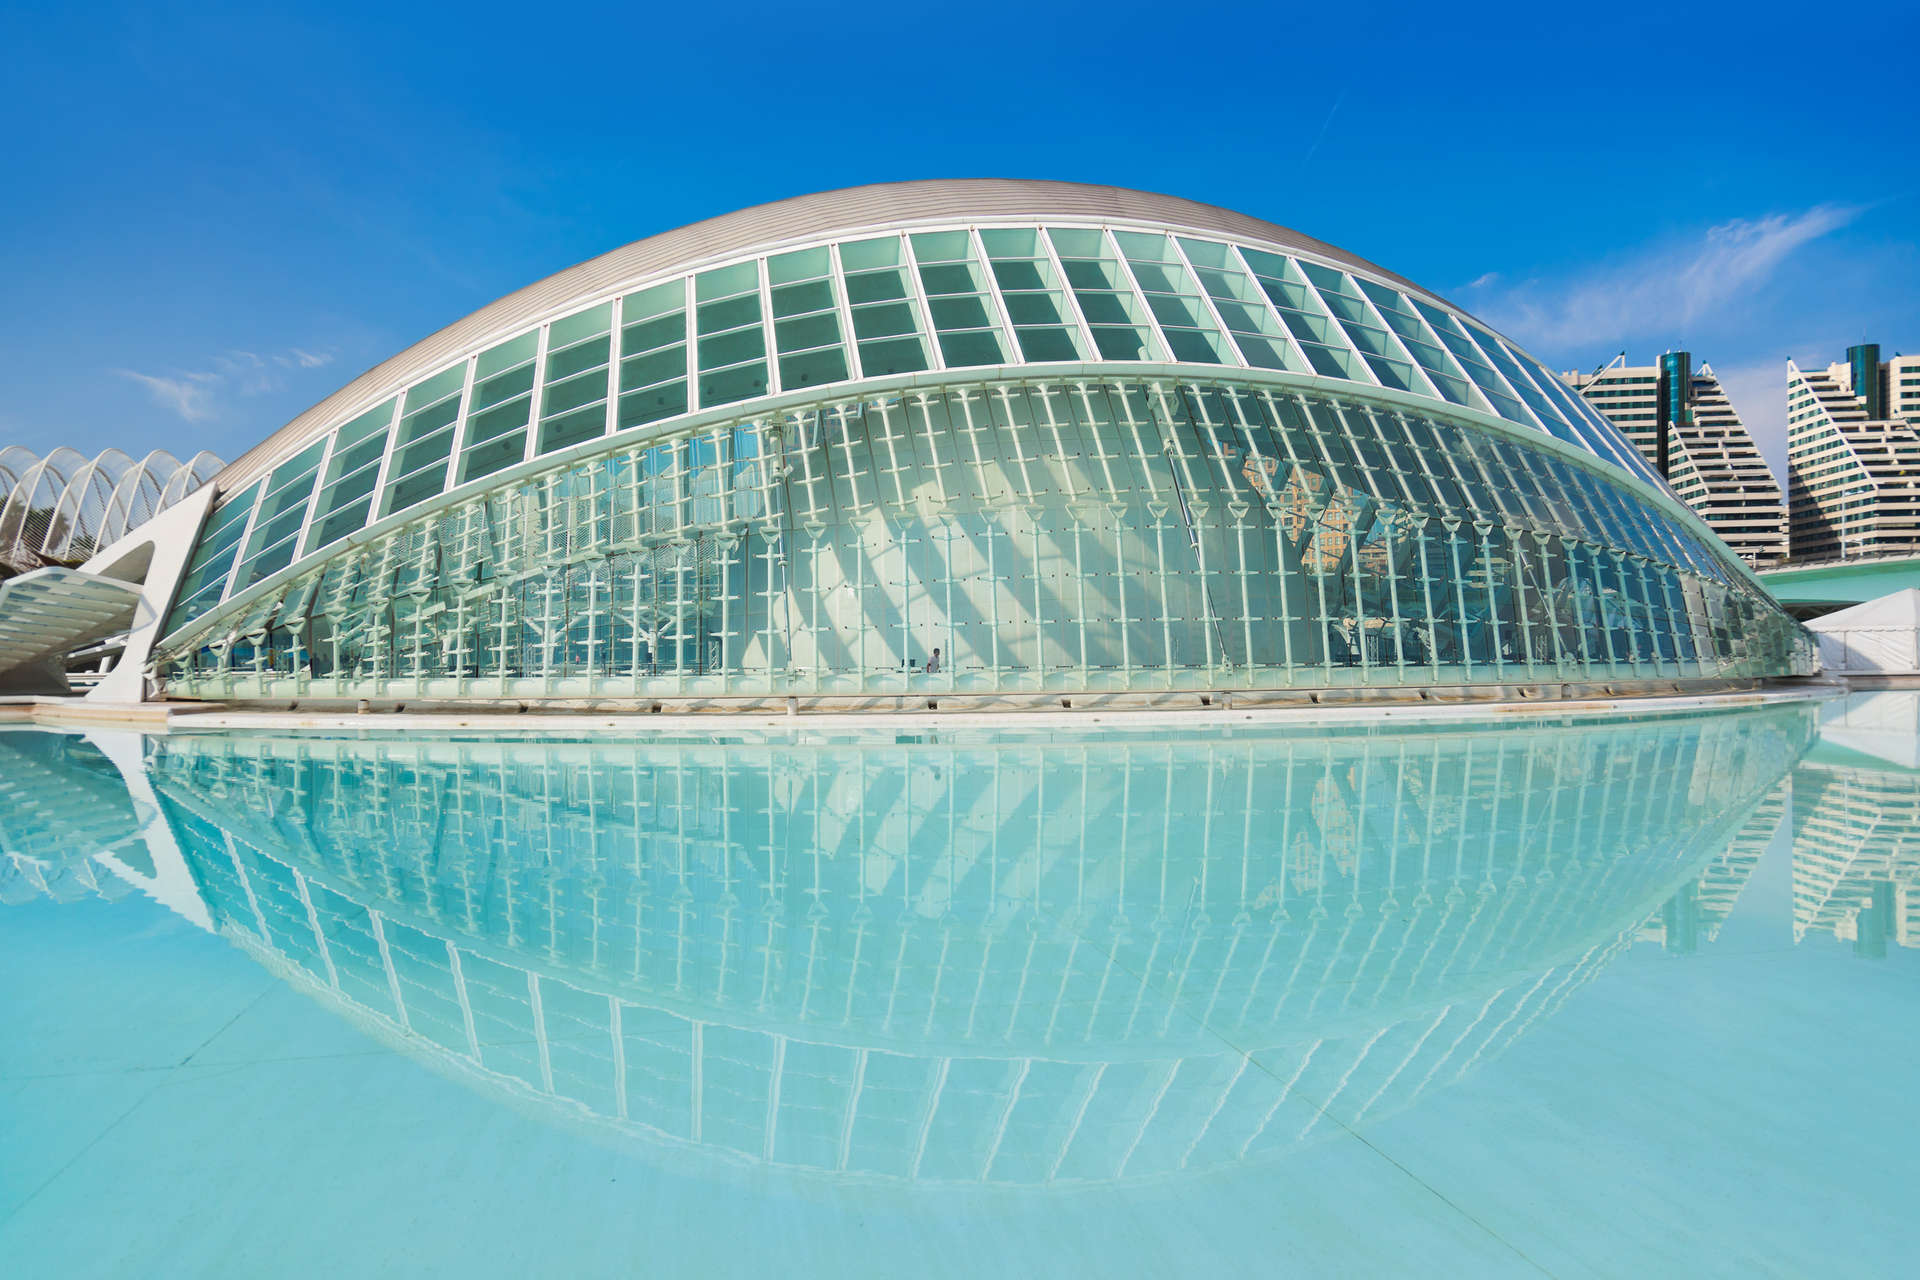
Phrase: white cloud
(195,394)
(1659,291)
(189,395)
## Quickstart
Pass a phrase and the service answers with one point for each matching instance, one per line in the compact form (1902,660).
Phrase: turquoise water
(1564,996)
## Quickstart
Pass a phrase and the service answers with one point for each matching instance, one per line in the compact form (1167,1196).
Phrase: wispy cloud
(195,394)
(1658,291)
(188,395)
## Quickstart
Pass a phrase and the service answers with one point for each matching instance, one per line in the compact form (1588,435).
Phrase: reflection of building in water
(64,815)
(1696,913)
(1856,855)
(1011,962)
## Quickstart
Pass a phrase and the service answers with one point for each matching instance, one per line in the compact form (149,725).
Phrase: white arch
(74,530)
(136,499)
(194,472)
(14,463)
(66,506)
(28,516)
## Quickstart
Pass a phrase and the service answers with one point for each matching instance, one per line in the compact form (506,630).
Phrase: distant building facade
(1853,456)
(1683,424)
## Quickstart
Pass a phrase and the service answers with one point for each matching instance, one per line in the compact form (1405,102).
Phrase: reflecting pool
(1565,995)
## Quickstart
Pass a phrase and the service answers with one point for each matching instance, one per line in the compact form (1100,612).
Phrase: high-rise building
(1683,424)
(1853,456)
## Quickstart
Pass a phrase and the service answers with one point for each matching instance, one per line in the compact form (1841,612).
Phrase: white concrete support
(166,542)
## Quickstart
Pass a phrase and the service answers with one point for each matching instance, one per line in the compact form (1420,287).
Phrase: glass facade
(1003,537)
(919,461)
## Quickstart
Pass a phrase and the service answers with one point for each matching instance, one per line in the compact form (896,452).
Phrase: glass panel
(282,511)
(732,342)
(501,407)
(1043,322)
(346,495)
(205,580)
(958,300)
(1174,298)
(1455,340)
(1320,339)
(806,328)
(653,355)
(1115,314)
(887,326)
(573,397)
(1254,328)
(423,440)
(1376,346)
(1422,343)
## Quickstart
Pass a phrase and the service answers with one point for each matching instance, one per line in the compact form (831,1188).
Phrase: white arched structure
(64,507)
(89,551)
(27,516)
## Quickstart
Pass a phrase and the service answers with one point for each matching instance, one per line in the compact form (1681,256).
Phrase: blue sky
(218,216)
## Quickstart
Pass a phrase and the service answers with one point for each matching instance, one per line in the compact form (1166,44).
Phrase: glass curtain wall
(1017,538)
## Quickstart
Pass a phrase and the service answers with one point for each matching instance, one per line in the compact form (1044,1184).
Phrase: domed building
(999,442)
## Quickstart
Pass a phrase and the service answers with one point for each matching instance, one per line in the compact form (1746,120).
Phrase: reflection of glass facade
(1129,454)
(1001,960)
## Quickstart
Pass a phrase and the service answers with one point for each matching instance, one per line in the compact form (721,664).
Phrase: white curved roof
(837,215)
(826,299)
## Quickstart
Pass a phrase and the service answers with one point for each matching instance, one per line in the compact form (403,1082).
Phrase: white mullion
(379,490)
(246,536)
(769,339)
(313,499)
(393,975)
(1089,350)
(1326,309)
(837,281)
(1273,309)
(1372,309)
(1571,402)
(1477,394)
(692,312)
(616,311)
(1126,268)
(1512,391)
(1013,354)
(539,1014)
(319,934)
(466,1001)
(1206,300)
(537,395)
(911,265)
(618,1036)
(459,425)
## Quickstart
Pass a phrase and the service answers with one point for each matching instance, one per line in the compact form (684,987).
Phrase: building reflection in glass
(1013,959)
